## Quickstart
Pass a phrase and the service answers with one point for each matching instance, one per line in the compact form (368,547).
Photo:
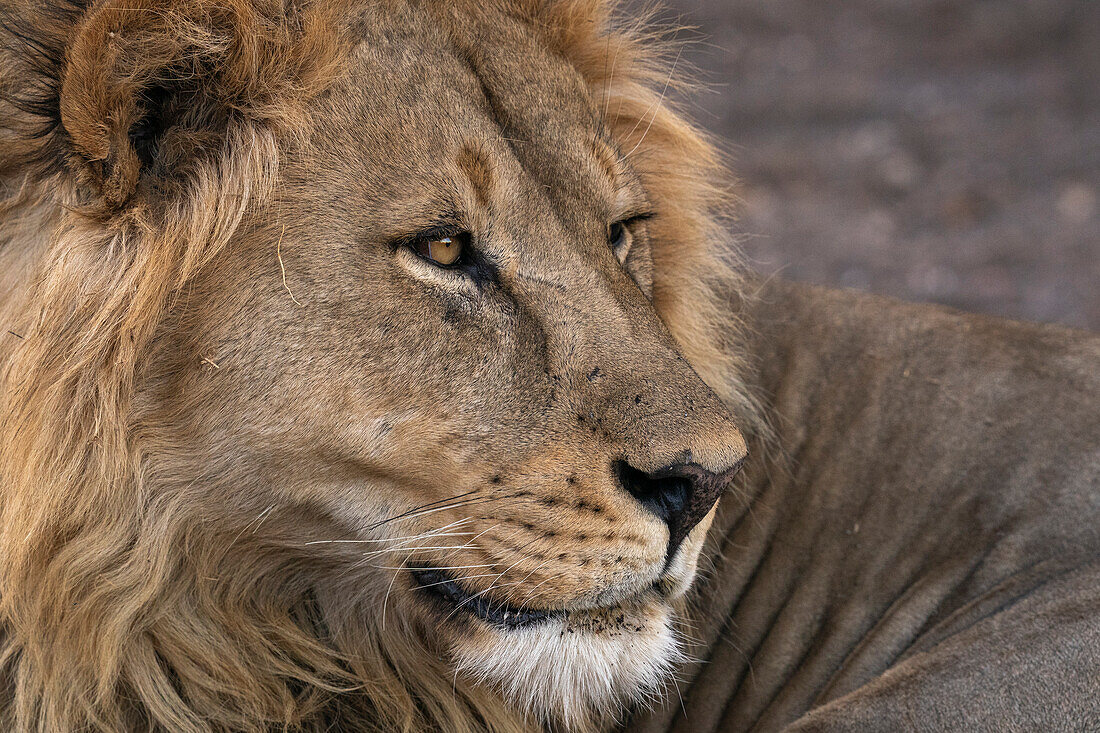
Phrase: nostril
(665,496)
(680,495)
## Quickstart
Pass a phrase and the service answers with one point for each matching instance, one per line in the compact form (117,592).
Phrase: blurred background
(936,150)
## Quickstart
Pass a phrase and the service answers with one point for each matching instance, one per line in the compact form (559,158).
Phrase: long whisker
(471,542)
(455,567)
(389,588)
(464,577)
(452,550)
(492,585)
(411,515)
(421,548)
(525,578)
(390,539)
(479,594)
(657,106)
(263,515)
(415,510)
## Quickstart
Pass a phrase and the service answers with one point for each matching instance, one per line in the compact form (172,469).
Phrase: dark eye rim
(472,263)
(616,235)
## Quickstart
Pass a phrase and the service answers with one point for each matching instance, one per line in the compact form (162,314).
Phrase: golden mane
(103,620)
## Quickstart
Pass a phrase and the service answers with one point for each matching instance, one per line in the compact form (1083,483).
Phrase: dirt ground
(939,150)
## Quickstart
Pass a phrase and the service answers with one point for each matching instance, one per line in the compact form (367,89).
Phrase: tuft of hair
(135,136)
(575,675)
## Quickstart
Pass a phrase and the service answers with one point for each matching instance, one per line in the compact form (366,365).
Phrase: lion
(335,392)
(375,366)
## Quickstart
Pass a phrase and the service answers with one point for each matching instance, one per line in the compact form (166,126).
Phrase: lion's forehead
(414,99)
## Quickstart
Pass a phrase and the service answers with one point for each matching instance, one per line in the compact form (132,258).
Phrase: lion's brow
(474,163)
(493,107)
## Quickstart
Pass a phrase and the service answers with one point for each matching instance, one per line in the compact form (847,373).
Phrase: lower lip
(441,586)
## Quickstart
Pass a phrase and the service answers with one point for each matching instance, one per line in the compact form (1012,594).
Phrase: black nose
(681,495)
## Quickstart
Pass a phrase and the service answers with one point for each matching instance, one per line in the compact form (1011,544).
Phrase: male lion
(374,365)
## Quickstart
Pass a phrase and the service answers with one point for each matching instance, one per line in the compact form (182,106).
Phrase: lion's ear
(117,96)
(144,92)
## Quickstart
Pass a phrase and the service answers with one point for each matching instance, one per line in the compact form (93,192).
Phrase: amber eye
(442,250)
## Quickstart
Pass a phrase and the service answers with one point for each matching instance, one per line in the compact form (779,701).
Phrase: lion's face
(432,364)
(506,446)
(439,341)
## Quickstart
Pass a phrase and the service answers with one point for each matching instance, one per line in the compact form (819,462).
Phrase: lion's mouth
(444,588)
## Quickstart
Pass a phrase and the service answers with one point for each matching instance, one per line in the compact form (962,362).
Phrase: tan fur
(926,554)
(220,385)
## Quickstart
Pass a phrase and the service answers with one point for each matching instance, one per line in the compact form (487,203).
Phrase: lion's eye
(442,250)
(618,235)
(621,234)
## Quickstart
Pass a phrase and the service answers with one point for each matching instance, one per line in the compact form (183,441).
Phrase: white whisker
(656,108)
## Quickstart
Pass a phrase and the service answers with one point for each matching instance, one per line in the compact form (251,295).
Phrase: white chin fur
(578,672)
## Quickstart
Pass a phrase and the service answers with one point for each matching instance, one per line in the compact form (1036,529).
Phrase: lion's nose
(680,494)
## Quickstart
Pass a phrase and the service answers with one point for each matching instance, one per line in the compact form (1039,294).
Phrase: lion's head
(344,381)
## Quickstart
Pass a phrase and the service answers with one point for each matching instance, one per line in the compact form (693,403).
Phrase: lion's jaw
(583,670)
(578,670)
